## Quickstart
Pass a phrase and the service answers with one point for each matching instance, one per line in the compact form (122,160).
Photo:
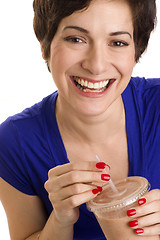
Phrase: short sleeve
(12,165)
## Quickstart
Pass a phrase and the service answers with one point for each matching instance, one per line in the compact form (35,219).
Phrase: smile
(88,86)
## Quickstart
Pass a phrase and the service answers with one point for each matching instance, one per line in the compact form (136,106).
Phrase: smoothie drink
(110,208)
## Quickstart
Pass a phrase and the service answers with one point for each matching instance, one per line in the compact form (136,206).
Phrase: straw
(111,183)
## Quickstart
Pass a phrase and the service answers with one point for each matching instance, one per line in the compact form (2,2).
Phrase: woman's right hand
(71,185)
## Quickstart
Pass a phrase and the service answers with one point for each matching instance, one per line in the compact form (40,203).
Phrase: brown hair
(49,13)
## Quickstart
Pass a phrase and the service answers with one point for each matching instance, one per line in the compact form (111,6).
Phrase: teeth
(85,83)
(90,85)
(98,85)
(89,90)
(82,83)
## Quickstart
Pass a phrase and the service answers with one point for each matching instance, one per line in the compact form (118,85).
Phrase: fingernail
(133,223)
(101,165)
(95,191)
(139,230)
(131,212)
(105,177)
(99,189)
(141,201)
(108,166)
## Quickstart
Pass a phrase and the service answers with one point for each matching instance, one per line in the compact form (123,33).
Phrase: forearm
(53,230)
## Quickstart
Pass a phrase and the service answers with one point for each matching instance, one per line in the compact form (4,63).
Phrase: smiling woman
(48,164)
(91,59)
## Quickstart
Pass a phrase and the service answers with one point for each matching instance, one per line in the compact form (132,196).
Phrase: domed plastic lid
(129,189)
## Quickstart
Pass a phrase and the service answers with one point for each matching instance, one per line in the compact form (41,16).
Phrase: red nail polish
(139,230)
(105,177)
(131,212)
(95,191)
(133,223)
(101,165)
(141,201)
(99,189)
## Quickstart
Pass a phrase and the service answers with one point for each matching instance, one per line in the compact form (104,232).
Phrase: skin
(93,58)
(94,122)
(148,215)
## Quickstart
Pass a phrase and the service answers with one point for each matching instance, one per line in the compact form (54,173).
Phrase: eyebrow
(87,32)
(120,33)
(76,28)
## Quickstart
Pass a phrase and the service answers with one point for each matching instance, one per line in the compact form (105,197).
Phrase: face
(92,57)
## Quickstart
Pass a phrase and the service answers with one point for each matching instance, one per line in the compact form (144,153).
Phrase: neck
(90,129)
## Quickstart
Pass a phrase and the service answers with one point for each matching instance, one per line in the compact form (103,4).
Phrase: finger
(83,166)
(151,205)
(146,221)
(69,191)
(149,220)
(152,195)
(149,231)
(73,177)
(75,201)
(149,208)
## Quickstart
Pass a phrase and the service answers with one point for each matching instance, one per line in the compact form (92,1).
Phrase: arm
(26,217)
(68,187)
(53,230)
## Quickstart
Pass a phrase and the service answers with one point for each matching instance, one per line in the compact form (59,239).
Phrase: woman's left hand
(145,218)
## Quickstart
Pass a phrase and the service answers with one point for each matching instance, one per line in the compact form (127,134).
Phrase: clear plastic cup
(110,208)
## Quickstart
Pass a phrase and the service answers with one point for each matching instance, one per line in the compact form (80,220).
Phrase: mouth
(90,86)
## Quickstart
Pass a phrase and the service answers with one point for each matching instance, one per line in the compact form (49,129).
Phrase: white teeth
(103,84)
(106,83)
(89,90)
(82,83)
(98,86)
(85,83)
(90,85)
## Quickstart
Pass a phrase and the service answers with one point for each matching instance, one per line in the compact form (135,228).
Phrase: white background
(24,79)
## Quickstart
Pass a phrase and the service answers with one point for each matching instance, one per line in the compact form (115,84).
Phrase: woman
(48,166)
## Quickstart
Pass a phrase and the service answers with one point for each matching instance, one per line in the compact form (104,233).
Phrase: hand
(70,185)
(146,220)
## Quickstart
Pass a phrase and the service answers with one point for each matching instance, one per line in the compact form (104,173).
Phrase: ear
(42,50)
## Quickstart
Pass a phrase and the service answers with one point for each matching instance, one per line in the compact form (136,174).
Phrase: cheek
(126,64)
(61,59)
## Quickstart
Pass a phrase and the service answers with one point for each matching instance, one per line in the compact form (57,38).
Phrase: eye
(119,44)
(73,39)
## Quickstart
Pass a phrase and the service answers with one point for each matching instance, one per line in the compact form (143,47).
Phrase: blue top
(30,145)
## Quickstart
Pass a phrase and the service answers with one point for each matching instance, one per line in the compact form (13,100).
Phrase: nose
(96,60)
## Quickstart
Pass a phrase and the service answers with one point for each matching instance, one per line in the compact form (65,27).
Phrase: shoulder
(25,128)
(143,98)
(143,95)
(23,144)
(143,84)
(146,92)
(36,110)
(29,117)
(147,98)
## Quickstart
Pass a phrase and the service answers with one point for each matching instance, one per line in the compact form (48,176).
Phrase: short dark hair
(49,13)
